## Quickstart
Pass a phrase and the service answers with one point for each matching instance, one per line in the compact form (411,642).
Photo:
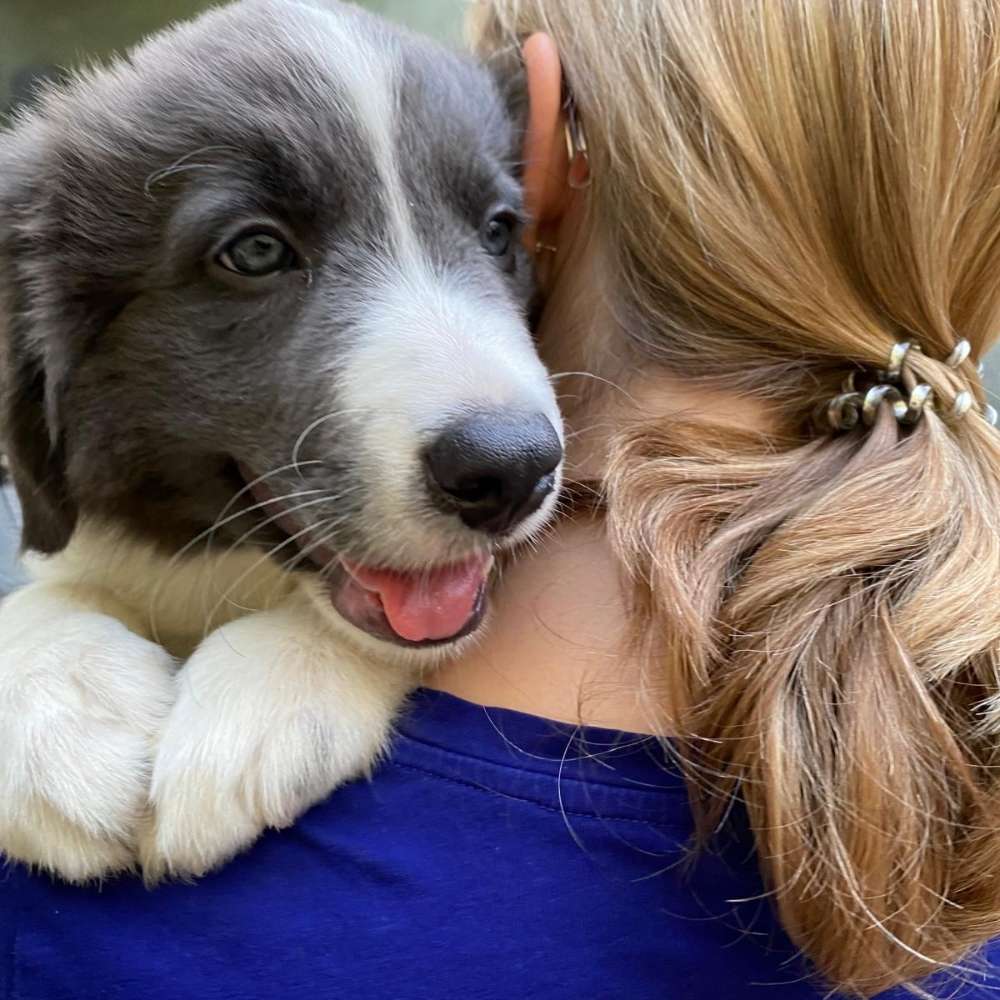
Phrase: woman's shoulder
(492,854)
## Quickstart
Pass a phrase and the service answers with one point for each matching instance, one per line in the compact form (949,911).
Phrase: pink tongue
(432,605)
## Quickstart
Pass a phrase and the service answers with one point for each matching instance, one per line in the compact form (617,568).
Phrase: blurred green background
(39,35)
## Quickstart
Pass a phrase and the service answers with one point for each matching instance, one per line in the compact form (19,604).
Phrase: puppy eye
(257,255)
(497,234)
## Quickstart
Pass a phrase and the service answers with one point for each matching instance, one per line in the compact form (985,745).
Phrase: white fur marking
(369,75)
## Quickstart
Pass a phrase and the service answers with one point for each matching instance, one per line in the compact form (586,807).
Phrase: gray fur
(135,372)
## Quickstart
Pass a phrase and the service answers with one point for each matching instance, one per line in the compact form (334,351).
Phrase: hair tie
(861,403)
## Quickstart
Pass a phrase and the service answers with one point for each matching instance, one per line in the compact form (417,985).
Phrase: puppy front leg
(272,714)
(82,700)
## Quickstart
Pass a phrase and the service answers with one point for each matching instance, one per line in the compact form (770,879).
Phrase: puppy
(271,407)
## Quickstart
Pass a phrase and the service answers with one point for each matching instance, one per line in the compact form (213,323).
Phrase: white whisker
(314,426)
(205,536)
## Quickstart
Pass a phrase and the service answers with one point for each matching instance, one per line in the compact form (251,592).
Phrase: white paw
(82,700)
(271,716)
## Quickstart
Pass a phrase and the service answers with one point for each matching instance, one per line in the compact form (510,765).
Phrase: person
(732,730)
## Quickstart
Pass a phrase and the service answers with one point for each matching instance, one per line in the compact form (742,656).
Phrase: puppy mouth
(431,607)
(434,607)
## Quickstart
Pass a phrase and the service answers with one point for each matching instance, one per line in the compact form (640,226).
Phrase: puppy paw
(82,700)
(271,716)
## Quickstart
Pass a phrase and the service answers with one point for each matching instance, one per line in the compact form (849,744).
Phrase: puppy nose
(494,469)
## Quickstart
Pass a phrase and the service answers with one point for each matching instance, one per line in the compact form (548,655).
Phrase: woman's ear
(546,160)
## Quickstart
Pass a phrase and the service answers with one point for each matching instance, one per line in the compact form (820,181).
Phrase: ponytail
(826,619)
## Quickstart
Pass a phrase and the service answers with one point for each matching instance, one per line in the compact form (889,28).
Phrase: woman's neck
(556,645)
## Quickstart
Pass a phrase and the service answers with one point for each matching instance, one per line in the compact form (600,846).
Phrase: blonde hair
(789,188)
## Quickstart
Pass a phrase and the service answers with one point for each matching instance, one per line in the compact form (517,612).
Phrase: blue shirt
(493,855)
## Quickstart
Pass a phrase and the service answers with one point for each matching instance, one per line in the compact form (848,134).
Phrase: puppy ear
(30,428)
(507,69)
(34,456)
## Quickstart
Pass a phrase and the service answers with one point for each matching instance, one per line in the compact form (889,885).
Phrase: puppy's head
(261,282)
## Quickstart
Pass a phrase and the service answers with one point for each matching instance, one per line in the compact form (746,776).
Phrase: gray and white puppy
(271,408)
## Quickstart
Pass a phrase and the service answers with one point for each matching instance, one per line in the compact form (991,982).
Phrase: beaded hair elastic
(859,401)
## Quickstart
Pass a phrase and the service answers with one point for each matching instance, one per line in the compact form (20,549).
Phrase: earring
(541,247)
(576,147)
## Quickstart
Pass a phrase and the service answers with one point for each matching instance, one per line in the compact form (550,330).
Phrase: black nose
(494,469)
